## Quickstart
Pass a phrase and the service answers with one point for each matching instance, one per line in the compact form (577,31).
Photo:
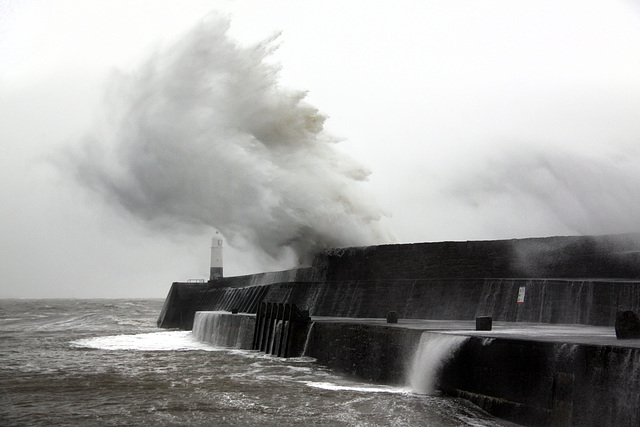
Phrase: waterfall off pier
(433,351)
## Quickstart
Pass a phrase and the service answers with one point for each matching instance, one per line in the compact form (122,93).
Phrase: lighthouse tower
(216,257)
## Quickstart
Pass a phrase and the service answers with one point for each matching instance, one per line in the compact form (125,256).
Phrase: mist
(203,137)
(444,121)
(563,191)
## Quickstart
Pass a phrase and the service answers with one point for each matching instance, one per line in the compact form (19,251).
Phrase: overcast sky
(455,120)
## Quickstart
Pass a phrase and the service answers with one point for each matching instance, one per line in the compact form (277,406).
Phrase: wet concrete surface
(557,333)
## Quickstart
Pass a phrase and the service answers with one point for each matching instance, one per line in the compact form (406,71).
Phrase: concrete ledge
(375,353)
(533,382)
(541,380)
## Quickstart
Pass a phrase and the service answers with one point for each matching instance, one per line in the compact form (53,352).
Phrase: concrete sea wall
(562,280)
(588,302)
(548,383)
(614,256)
(530,382)
(567,279)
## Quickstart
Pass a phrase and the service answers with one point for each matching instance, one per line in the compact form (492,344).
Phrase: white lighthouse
(216,257)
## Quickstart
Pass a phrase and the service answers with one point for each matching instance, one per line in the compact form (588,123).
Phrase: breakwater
(589,302)
(558,281)
(583,378)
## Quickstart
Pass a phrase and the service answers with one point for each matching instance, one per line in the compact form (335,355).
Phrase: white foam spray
(154,341)
(567,189)
(306,341)
(202,136)
(432,353)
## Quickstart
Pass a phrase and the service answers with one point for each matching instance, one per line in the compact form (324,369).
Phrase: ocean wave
(153,341)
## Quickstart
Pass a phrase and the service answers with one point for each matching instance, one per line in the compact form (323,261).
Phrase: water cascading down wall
(568,280)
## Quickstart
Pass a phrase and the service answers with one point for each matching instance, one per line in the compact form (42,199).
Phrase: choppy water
(103,362)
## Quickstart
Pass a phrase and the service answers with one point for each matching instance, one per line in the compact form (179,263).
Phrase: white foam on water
(358,388)
(301,359)
(432,353)
(154,341)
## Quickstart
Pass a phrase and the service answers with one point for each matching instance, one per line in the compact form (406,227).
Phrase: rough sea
(104,362)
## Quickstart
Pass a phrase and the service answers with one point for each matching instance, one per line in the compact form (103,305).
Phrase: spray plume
(560,191)
(203,136)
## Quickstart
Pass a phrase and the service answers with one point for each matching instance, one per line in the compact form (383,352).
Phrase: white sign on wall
(521,295)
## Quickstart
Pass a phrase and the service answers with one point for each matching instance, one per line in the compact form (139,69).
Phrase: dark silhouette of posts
(278,327)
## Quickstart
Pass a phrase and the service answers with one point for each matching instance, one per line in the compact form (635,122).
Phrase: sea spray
(306,341)
(203,136)
(433,351)
(150,341)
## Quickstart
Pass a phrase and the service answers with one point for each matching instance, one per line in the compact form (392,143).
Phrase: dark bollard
(392,317)
(627,325)
(234,311)
(483,323)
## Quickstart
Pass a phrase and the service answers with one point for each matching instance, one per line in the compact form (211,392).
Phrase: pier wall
(612,257)
(587,302)
(567,279)
(547,383)
(524,381)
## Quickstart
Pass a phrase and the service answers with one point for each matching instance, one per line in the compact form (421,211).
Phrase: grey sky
(477,120)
